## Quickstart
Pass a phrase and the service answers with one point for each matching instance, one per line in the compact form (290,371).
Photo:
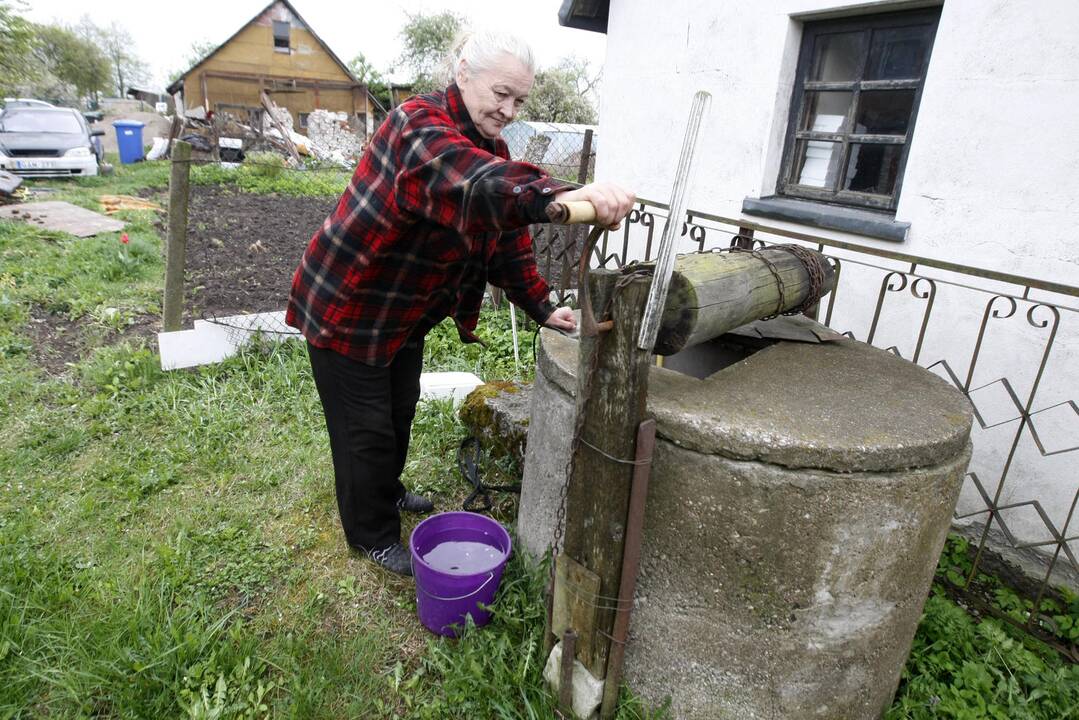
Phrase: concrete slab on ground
(61,216)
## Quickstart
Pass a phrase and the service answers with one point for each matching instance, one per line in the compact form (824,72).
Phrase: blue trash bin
(129,140)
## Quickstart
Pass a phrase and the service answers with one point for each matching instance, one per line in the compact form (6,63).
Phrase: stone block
(497,414)
(587,690)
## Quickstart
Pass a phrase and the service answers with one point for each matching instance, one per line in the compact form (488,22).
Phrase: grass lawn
(169,542)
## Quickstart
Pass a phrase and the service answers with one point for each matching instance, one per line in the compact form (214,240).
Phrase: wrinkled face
(493,97)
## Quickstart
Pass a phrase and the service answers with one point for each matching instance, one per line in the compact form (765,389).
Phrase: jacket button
(517,190)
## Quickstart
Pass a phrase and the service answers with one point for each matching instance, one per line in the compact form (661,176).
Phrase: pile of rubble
(225,137)
(332,138)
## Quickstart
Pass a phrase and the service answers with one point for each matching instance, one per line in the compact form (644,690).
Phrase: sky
(163,33)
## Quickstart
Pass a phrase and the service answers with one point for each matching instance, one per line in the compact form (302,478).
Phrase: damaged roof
(180,80)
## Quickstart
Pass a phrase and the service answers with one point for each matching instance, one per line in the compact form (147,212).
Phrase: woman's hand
(562,319)
(612,203)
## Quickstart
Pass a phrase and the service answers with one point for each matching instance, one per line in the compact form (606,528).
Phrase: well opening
(707,358)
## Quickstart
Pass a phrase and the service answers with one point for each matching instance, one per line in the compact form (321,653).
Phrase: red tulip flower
(123,239)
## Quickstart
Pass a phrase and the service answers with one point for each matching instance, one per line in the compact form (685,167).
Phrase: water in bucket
(457,560)
(462,557)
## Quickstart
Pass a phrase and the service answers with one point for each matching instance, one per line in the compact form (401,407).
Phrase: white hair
(482,50)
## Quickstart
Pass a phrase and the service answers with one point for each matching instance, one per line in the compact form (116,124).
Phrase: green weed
(272,177)
(966,670)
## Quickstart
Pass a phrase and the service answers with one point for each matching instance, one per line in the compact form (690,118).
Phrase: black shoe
(394,558)
(413,503)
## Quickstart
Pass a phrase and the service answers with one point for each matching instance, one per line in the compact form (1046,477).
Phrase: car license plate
(31,164)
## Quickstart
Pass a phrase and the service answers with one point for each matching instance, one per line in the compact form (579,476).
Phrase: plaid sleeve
(443,177)
(513,268)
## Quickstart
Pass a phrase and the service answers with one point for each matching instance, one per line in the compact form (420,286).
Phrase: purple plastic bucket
(457,560)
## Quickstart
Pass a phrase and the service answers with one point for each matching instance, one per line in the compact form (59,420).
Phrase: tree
(72,60)
(562,94)
(198,52)
(116,42)
(366,73)
(427,40)
(16,45)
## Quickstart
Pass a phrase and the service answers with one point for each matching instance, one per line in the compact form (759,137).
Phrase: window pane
(884,112)
(873,168)
(837,57)
(280,29)
(898,53)
(826,111)
(816,161)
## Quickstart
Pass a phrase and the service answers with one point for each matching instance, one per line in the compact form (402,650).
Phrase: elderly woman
(434,211)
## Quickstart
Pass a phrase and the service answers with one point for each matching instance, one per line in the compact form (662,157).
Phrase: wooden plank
(249,77)
(270,107)
(575,590)
(62,217)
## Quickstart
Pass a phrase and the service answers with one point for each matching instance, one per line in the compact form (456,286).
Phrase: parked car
(12,103)
(48,142)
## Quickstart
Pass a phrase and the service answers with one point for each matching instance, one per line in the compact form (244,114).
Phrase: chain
(814,268)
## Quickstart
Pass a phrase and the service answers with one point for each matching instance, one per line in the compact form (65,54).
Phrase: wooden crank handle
(574,212)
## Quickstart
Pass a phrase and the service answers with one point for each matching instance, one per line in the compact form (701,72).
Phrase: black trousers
(369,413)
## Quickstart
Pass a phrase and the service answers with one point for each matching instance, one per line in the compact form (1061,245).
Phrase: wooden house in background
(276,52)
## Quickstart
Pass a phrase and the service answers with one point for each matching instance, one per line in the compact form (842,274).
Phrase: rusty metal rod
(631,560)
(565,683)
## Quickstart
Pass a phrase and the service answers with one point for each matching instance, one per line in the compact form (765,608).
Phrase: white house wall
(990,182)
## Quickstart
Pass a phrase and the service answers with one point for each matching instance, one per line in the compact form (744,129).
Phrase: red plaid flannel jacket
(433,212)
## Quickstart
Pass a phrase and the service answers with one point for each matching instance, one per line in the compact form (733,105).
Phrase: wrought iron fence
(1008,343)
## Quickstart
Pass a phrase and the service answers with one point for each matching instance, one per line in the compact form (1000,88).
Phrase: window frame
(287,37)
(787,185)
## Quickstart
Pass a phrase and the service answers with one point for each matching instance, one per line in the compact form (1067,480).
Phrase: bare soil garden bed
(243,248)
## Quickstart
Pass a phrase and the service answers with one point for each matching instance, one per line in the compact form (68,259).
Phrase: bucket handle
(490,577)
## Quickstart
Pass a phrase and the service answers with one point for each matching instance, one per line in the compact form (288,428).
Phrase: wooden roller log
(712,293)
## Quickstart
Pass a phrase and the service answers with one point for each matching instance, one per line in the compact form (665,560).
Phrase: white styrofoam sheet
(456,385)
(213,341)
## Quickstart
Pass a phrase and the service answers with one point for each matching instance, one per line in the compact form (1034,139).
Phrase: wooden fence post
(176,247)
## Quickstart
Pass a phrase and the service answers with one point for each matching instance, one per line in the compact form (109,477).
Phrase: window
(855,99)
(280,36)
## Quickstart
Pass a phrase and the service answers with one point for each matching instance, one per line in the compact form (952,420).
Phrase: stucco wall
(990,182)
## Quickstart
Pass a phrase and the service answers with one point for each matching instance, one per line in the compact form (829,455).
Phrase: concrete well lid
(842,406)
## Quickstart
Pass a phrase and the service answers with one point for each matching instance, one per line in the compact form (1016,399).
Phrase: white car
(47,142)
(12,103)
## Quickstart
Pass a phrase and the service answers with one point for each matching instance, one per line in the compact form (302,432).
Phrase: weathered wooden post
(612,390)
(176,243)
